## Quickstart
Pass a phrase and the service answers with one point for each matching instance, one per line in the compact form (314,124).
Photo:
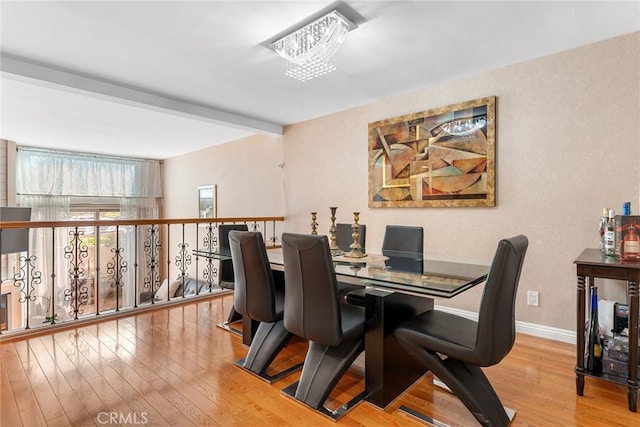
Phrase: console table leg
(633,399)
(580,384)
(580,318)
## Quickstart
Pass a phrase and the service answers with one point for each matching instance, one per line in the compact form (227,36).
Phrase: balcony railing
(75,271)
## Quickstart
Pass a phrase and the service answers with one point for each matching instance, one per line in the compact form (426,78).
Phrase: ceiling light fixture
(310,49)
(465,126)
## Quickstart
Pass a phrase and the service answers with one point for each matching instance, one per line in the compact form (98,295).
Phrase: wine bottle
(594,350)
(610,235)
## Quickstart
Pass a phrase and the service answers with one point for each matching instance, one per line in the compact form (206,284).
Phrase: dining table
(392,296)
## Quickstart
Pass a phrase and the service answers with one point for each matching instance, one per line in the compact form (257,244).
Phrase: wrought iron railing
(80,270)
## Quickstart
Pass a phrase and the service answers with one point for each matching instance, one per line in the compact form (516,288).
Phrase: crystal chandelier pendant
(310,50)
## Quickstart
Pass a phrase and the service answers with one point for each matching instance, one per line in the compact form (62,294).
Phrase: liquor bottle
(594,349)
(631,244)
(610,235)
(603,227)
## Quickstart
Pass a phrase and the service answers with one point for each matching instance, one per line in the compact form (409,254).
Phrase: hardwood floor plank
(82,354)
(74,369)
(66,395)
(9,412)
(29,387)
(179,394)
(61,421)
(176,367)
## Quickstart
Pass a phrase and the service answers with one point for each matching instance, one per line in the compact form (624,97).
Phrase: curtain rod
(77,153)
(92,197)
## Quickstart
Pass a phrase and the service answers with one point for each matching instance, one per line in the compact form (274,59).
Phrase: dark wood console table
(591,264)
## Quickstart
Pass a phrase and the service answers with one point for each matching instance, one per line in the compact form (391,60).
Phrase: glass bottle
(610,235)
(603,227)
(631,243)
(594,349)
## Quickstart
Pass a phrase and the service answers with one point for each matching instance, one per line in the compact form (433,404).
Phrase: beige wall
(247,173)
(568,144)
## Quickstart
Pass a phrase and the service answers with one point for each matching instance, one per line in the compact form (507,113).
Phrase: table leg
(249,328)
(580,308)
(632,291)
(389,369)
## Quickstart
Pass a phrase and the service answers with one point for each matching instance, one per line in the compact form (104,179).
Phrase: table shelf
(592,264)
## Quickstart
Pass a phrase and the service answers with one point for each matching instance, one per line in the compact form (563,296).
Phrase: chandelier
(465,126)
(310,49)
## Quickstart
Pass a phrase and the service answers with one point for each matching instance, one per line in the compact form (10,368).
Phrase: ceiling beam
(45,75)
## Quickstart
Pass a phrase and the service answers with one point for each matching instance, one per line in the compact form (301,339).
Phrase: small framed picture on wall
(207,201)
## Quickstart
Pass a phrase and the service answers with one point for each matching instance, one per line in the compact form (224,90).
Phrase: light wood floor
(174,367)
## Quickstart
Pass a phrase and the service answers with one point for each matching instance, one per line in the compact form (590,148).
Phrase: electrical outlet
(532,298)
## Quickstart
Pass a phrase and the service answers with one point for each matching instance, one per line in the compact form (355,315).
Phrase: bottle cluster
(619,234)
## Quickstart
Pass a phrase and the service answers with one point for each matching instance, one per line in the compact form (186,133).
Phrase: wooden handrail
(96,267)
(156,221)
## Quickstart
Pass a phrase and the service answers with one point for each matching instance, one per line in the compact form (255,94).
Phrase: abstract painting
(444,157)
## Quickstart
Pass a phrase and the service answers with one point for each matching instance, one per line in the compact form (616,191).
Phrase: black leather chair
(455,348)
(404,245)
(226,272)
(344,236)
(256,297)
(312,310)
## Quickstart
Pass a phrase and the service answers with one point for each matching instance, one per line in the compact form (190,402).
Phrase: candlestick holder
(356,249)
(333,246)
(314,223)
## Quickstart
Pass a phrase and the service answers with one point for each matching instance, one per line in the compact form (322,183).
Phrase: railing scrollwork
(74,270)
(183,259)
(26,280)
(152,247)
(116,269)
(77,294)
(210,242)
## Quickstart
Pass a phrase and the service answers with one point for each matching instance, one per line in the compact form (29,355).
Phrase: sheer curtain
(57,173)
(47,180)
(48,208)
(135,208)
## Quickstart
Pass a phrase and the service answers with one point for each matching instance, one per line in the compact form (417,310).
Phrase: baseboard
(534,329)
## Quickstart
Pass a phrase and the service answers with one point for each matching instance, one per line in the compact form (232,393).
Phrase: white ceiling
(157,79)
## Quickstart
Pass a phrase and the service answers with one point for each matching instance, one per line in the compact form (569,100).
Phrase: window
(97,266)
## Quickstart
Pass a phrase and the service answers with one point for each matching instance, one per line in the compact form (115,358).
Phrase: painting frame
(208,201)
(442,157)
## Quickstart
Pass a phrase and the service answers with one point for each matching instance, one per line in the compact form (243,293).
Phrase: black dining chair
(455,348)
(313,311)
(404,246)
(344,236)
(256,297)
(226,272)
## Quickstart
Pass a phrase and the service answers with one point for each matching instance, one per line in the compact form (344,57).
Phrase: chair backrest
(226,267)
(496,320)
(404,245)
(311,301)
(254,294)
(344,236)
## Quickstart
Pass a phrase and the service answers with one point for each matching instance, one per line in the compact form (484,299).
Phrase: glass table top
(406,272)
(394,271)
